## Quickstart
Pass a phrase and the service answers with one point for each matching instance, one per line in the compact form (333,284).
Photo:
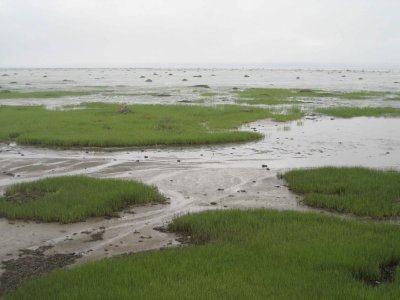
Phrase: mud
(30,264)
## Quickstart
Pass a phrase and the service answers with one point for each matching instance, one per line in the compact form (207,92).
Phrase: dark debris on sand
(29,264)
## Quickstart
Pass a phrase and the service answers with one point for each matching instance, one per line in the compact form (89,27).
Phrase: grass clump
(350,112)
(73,198)
(257,254)
(101,125)
(360,191)
(45,94)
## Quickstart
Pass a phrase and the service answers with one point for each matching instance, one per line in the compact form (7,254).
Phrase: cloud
(150,32)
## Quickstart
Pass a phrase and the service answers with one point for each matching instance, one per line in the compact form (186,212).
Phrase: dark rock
(148,80)
(213,203)
(184,79)
(204,86)
(8,174)
(246,76)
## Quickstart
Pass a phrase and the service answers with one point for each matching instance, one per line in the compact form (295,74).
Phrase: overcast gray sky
(101,33)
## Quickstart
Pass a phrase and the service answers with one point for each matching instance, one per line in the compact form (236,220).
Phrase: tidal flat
(230,177)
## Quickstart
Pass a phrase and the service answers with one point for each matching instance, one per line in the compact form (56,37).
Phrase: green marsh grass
(350,112)
(359,191)
(46,94)
(273,96)
(209,94)
(257,254)
(73,198)
(101,125)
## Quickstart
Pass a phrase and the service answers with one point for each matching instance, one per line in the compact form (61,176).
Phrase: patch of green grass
(359,191)
(273,96)
(361,95)
(350,112)
(73,198)
(209,94)
(46,94)
(394,98)
(140,94)
(104,125)
(256,254)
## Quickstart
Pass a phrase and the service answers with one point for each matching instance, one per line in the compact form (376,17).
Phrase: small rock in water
(220,189)
(264,166)
(142,76)
(184,79)
(148,80)
(246,76)
(213,203)
(297,77)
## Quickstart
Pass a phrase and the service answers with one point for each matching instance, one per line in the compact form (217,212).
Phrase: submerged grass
(107,125)
(273,96)
(256,254)
(350,112)
(47,94)
(360,191)
(73,198)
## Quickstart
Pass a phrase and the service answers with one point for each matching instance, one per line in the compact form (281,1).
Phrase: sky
(151,33)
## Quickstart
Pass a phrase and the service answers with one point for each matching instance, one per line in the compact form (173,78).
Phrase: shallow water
(232,176)
(126,82)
